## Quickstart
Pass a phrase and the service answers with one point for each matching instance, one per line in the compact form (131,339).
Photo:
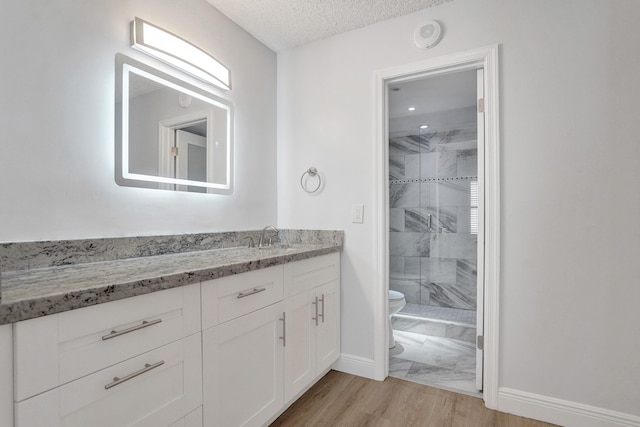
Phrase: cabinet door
(194,419)
(300,348)
(6,376)
(242,366)
(328,330)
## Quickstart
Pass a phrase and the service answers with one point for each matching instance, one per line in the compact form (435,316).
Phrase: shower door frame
(485,58)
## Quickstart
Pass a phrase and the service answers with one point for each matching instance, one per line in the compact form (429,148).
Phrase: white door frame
(167,140)
(486,58)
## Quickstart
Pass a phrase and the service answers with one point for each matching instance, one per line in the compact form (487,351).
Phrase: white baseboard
(355,365)
(562,412)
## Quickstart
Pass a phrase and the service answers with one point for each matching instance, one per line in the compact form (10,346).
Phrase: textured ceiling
(282,24)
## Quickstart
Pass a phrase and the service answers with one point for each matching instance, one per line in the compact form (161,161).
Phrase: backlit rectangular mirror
(170,135)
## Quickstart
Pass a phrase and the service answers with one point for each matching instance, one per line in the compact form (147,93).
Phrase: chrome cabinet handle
(429,222)
(284,329)
(147,368)
(251,292)
(143,325)
(316,304)
(322,315)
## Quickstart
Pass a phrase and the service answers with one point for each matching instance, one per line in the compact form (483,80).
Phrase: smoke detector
(427,35)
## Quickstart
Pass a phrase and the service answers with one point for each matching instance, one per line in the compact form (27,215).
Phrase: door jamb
(486,58)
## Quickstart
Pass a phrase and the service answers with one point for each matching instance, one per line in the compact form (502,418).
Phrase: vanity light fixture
(424,127)
(412,108)
(179,53)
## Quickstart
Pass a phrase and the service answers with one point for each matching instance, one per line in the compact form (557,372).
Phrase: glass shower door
(449,199)
(435,223)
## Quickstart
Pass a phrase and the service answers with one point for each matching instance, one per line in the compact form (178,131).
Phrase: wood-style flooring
(343,400)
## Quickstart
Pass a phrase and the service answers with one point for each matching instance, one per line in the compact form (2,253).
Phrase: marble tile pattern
(404,195)
(435,321)
(435,361)
(403,145)
(434,328)
(78,280)
(396,167)
(446,314)
(430,216)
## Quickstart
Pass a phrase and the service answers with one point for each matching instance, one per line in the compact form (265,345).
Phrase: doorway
(441,220)
(434,233)
(185,149)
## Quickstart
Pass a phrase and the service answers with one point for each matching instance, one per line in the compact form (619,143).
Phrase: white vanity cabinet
(242,358)
(312,309)
(234,351)
(6,376)
(261,344)
(230,297)
(242,321)
(136,361)
(151,390)
(193,419)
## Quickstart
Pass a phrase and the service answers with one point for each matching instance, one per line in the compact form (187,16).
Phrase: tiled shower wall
(433,173)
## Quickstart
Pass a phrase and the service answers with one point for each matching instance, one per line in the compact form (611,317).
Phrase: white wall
(57,122)
(570,162)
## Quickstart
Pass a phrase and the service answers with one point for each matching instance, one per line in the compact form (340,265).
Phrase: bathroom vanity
(259,354)
(216,337)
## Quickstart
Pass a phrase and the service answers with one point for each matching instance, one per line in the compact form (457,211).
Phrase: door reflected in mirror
(170,135)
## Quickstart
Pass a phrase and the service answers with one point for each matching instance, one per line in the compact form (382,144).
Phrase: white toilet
(396,302)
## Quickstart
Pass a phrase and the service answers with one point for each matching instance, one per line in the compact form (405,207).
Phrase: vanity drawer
(155,389)
(56,349)
(301,276)
(233,296)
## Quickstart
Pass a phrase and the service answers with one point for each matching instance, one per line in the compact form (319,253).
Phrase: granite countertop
(38,292)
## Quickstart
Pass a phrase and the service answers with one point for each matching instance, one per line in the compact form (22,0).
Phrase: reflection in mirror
(169,134)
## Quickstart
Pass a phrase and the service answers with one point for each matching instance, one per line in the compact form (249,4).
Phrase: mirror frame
(126,65)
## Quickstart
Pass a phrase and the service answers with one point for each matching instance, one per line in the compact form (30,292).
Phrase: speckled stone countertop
(33,292)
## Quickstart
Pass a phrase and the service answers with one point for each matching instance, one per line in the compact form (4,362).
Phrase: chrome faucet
(261,243)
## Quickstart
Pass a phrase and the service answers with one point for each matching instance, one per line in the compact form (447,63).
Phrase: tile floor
(435,361)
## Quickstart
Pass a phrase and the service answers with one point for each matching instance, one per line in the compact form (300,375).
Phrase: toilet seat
(395,295)
(396,303)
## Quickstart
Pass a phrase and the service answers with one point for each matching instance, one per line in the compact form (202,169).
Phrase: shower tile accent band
(432,179)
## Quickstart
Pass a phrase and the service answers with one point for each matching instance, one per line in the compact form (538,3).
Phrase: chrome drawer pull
(322,315)
(143,325)
(147,368)
(316,304)
(284,329)
(252,292)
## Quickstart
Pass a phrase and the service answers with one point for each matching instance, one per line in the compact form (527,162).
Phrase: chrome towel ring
(311,172)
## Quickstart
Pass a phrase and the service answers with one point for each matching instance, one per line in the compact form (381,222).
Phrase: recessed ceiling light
(412,108)
(424,126)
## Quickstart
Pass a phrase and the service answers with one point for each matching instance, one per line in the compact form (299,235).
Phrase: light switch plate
(357,214)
